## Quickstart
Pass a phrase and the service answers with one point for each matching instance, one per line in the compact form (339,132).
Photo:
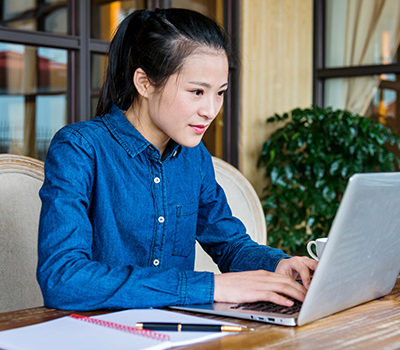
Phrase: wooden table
(373,325)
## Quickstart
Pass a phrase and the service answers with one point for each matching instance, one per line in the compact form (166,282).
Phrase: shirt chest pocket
(185,229)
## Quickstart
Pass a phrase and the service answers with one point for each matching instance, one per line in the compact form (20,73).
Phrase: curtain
(359,32)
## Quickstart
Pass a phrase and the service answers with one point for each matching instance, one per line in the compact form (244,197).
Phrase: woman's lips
(199,129)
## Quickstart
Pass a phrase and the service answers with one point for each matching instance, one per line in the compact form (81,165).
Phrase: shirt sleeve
(224,236)
(68,275)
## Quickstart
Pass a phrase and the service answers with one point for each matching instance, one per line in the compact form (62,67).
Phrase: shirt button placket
(156,262)
(161,219)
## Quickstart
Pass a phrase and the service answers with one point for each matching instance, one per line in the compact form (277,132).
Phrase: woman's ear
(141,82)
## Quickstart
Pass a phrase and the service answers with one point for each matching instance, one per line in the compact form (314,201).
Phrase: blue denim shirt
(119,222)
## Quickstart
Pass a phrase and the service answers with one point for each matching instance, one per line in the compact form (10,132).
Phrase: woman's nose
(210,109)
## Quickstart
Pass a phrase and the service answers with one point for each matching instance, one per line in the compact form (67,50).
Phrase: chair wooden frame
(11,163)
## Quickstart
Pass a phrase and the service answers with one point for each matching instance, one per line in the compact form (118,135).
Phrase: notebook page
(67,333)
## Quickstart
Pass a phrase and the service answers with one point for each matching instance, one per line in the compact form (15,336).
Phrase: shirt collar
(130,138)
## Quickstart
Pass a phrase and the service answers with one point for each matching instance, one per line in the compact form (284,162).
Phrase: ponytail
(118,87)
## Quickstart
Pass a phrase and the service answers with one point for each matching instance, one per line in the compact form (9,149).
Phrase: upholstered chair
(20,181)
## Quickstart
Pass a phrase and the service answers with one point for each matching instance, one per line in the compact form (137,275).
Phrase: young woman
(127,193)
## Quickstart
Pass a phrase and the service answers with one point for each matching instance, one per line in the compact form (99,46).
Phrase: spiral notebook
(109,331)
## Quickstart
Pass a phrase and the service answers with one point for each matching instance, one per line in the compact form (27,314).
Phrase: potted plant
(308,162)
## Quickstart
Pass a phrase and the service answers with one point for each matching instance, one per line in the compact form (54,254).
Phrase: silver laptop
(361,260)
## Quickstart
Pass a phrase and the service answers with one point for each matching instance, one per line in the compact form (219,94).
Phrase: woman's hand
(298,267)
(261,285)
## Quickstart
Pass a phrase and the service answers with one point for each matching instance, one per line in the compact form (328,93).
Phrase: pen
(190,327)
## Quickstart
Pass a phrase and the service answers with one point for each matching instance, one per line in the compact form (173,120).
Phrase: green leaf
(310,221)
(295,136)
(288,172)
(274,175)
(319,170)
(268,218)
(334,167)
(328,193)
(269,203)
(271,155)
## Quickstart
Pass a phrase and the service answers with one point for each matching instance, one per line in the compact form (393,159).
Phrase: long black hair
(157,42)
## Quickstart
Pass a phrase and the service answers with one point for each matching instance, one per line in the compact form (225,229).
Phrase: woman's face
(191,99)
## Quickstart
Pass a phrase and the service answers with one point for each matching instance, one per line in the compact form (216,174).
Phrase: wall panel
(276,71)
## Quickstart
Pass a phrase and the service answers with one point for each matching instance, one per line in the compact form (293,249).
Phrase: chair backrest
(245,205)
(20,180)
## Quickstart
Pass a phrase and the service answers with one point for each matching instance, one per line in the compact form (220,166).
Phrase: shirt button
(161,219)
(174,153)
(156,262)
(157,180)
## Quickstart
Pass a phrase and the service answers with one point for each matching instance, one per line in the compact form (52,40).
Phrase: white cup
(319,244)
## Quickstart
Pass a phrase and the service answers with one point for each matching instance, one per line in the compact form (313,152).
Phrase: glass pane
(361,34)
(210,8)
(98,70)
(385,103)
(106,15)
(93,104)
(33,98)
(97,74)
(46,16)
(353,94)
(371,96)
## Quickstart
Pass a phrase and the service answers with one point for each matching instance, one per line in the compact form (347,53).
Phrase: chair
(244,204)
(20,180)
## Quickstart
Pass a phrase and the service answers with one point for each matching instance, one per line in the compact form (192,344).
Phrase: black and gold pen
(190,327)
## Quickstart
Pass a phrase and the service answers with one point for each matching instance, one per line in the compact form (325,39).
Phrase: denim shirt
(119,221)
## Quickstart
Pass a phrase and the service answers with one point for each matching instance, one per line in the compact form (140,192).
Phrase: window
(52,61)
(46,16)
(33,87)
(356,57)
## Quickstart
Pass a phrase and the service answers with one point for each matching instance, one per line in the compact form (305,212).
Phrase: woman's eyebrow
(206,85)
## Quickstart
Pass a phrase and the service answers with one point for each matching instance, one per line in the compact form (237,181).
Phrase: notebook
(361,260)
(109,331)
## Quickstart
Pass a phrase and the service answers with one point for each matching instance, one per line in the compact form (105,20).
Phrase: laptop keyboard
(270,307)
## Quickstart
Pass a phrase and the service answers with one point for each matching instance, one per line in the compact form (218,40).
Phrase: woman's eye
(221,93)
(198,92)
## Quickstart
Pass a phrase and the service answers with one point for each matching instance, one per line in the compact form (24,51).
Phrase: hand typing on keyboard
(298,267)
(278,287)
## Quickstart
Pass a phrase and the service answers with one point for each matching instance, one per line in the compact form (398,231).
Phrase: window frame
(81,46)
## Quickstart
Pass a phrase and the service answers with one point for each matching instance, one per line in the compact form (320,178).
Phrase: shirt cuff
(278,259)
(196,287)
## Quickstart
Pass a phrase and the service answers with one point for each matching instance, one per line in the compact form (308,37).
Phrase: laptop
(361,260)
